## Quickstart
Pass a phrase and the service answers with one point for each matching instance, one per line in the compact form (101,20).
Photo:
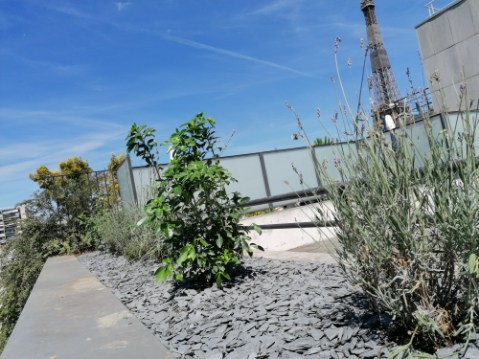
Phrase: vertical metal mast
(385,88)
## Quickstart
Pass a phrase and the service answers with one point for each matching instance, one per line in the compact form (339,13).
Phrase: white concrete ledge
(286,239)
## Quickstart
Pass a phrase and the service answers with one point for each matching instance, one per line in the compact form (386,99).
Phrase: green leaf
(243,200)
(177,190)
(192,253)
(257,229)
(141,221)
(257,246)
(187,253)
(219,241)
(472,265)
(183,256)
(159,212)
(163,273)
(218,279)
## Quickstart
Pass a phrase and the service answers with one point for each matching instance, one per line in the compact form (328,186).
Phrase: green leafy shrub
(323,141)
(21,263)
(192,210)
(22,260)
(117,232)
(409,237)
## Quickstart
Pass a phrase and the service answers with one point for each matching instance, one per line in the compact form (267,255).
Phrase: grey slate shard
(325,354)
(267,341)
(348,333)
(316,334)
(299,345)
(332,332)
(472,351)
(371,353)
(183,349)
(314,350)
(449,352)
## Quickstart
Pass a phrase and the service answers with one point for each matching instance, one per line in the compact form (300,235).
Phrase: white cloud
(13,171)
(84,116)
(91,142)
(93,138)
(120,6)
(51,67)
(30,155)
(277,6)
(237,55)
(22,151)
(71,11)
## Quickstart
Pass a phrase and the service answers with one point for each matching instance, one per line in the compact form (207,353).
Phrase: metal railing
(430,8)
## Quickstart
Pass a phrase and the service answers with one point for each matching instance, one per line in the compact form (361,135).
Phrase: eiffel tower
(386,93)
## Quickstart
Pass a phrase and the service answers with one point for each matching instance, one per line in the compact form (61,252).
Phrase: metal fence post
(265,177)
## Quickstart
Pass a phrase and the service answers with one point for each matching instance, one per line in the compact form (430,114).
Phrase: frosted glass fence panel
(247,171)
(417,134)
(474,116)
(125,183)
(456,125)
(331,156)
(457,122)
(437,126)
(144,177)
(387,138)
(281,176)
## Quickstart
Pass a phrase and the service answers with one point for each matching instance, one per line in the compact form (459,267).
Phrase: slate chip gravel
(282,309)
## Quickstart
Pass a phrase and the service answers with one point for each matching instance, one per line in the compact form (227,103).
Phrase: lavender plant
(409,229)
(115,231)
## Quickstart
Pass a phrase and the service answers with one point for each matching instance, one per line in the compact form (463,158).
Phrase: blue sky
(74,75)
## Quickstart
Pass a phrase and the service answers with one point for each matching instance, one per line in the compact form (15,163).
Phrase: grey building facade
(449,44)
(9,219)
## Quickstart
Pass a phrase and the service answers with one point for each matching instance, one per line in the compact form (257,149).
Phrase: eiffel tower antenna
(386,92)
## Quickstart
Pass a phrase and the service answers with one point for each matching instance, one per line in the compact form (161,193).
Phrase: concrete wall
(449,44)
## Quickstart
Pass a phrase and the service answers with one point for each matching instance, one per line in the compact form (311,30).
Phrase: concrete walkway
(71,315)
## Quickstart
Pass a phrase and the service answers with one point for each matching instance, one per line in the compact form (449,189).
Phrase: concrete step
(71,315)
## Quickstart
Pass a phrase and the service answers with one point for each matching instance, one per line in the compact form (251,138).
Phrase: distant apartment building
(449,43)
(9,221)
